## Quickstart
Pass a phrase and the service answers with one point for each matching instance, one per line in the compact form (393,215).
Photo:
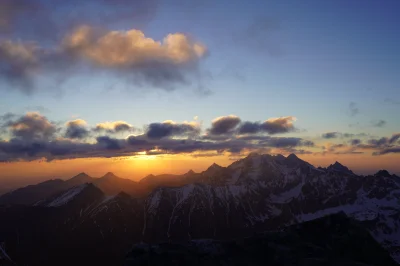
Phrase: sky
(164,86)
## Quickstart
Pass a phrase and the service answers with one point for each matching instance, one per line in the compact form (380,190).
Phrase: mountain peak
(109,175)
(190,172)
(81,176)
(79,179)
(340,168)
(293,156)
(383,173)
(214,166)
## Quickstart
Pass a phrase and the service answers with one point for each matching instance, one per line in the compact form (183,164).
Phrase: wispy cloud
(353,109)
(379,123)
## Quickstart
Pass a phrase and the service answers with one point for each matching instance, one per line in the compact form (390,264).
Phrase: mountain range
(60,219)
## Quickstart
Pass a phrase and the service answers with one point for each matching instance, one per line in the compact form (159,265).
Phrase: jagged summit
(293,156)
(294,161)
(383,173)
(339,168)
(214,166)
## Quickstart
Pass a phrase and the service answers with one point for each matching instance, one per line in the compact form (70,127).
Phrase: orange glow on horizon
(139,166)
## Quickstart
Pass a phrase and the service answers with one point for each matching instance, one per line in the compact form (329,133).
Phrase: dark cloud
(170,129)
(105,146)
(349,152)
(249,128)
(286,142)
(31,126)
(379,123)
(271,126)
(351,135)
(7,116)
(394,138)
(335,135)
(379,142)
(355,142)
(224,125)
(331,135)
(384,145)
(109,143)
(334,147)
(17,64)
(388,150)
(76,129)
(353,109)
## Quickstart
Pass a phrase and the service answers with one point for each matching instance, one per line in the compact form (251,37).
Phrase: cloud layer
(32,136)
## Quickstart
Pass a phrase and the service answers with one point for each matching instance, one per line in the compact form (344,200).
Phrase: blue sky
(332,53)
(314,60)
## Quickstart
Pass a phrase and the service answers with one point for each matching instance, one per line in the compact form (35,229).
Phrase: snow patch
(67,196)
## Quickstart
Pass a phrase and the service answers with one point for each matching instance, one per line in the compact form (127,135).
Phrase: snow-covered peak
(67,196)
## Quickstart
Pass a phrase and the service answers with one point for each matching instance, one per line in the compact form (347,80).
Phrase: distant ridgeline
(99,220)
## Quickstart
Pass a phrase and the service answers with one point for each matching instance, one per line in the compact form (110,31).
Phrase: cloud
(331,135)
(388,150)
(109,143)
(379,142)
(335,135)
(157,140)
(353,109)
(76,129)
(18,63)
(171,129)
(286,142)
(224,124)
(130,54)
(131,48)
(394,138)
(32,137)
(113,127)
(271,126)
(351,135)
(355,142)
(379,123)
(7,116)
(32,126)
